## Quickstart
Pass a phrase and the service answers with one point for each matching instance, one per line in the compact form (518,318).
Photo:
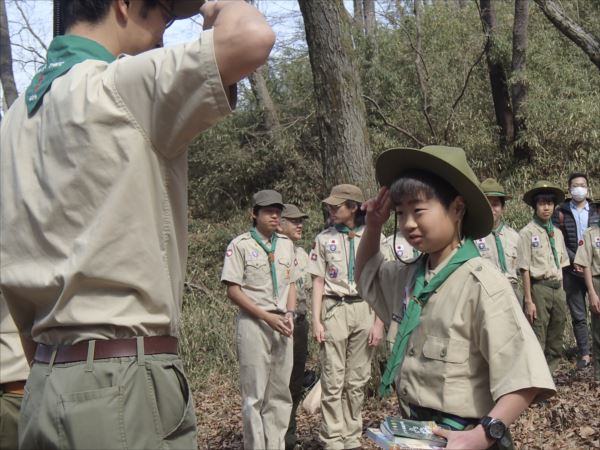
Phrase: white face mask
(579,193)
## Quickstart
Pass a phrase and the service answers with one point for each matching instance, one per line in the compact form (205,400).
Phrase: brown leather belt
(112,348)
(13,387)
(345,298)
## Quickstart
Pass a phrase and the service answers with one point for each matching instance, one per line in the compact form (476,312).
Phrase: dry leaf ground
(569,420)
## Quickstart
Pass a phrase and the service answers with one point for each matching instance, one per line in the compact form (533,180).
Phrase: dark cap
(186,8)
(292,212)
(267,198)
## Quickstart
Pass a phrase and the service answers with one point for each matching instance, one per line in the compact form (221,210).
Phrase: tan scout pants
(345,369)
(551,310)
(116,403)
(266,359)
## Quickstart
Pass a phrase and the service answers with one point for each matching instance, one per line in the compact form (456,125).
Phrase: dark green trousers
(596,334)
(10,406)
(551,308)
(117,403)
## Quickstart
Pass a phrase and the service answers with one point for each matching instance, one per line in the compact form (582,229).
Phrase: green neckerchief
(412,316)
(351,234)
(549,227)
(501,256)
(64,52)
(270,255)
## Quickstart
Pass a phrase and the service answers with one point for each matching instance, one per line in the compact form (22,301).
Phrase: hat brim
(499,195)
(334,201)
(184,9)
(478,221)
(528,196)
(264,204)
(295,216)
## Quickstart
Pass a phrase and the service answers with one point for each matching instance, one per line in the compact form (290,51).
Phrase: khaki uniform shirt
(473,344)
(403,249)
(304,281)
(535,252)
(13,364)
(247,265)
(510,241)
(588,254)
(93,195)
(329,259)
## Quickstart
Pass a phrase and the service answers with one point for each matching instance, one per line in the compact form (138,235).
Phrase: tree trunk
(571,29)
(259,88)
(346,154)
(519,86)
(422,76)
(6,72)
(498,77)
(359,14)
(369,12)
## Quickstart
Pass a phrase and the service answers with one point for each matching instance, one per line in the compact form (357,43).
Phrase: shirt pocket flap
(445,349)
(284,262)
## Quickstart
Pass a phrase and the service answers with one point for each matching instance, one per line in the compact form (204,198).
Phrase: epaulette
(489,277)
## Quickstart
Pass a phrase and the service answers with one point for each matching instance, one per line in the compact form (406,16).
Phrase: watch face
(497,429)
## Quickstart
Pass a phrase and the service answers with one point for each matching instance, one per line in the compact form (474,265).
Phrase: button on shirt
(473,344)
(247,265)
(535,252)
(93,195)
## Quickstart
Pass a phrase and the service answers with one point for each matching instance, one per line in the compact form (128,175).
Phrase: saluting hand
(378,209)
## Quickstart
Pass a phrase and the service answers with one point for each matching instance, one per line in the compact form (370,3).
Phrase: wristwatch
(495,429)
(292,312)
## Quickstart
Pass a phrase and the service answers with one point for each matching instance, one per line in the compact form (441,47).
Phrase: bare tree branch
(391,125)
(462,92)
(29,28)
(585,40)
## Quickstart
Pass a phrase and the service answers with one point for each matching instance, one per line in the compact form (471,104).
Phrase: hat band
(494,193)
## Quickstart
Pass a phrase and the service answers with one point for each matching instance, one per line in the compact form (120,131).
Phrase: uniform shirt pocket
(284,268)
(257,271)
(448,350)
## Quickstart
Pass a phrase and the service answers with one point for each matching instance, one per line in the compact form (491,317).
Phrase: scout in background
(343,323)
(260,274)
(397,249)
(13,374)
(573,216)
(500,246)
(542,255)
(464,354)
(588,257)
(291,225)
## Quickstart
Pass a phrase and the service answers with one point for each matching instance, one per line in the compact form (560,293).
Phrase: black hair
(417,183)
(502,199)
(544,197)
(359,215)
(578,175)
(92,11)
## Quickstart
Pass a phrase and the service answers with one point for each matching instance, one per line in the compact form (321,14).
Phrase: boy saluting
(259,271)
(542,255)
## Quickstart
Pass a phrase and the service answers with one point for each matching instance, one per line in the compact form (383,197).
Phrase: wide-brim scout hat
(267,197)
(491,188)
(184,9)
(292,212)
(546,187)
(449,163)
(342,192)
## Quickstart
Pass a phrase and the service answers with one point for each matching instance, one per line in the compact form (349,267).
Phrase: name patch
(535,241)
(481,244)
(333,272)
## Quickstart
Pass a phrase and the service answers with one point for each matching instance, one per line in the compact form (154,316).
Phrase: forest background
(519,93)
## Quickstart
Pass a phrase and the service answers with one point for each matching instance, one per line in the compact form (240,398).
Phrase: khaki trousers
(551,309)
(134,402)
(10,405)
(345,369)
(266,359)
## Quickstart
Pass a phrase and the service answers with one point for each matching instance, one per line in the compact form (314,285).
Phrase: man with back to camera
(573,216)
(93,210)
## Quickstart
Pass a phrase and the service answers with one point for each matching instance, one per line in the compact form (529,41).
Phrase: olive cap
(491,188)
(543,186)
(342,192)
(267,198)
(292,212)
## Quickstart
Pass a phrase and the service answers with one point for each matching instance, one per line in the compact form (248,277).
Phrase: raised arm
(242,38)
